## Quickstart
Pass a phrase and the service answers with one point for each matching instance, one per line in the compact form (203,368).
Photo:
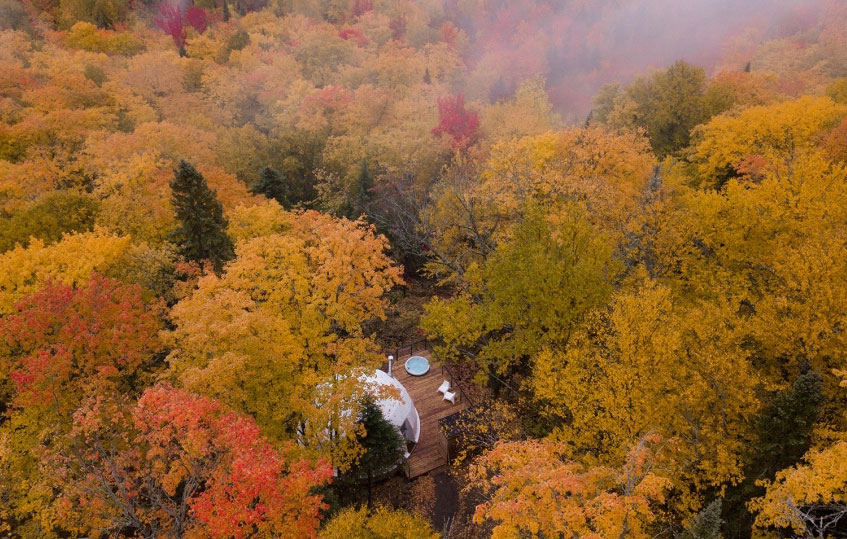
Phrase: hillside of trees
(214,213)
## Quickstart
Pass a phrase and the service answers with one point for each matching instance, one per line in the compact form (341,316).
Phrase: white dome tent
(391,396)
(400,412)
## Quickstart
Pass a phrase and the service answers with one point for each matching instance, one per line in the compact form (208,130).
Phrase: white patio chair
(448,396)
(444,387)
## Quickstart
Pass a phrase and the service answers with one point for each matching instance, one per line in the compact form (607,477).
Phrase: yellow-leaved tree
(475,206)
(810,499)
(381,522)
(763,138)
(72,260)
(284,320)
(771,251)
(647,364)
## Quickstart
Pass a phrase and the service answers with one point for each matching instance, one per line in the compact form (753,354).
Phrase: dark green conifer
(785,428)
(384,446)
(362,194)
(784,435)
(272,184)
(201,234)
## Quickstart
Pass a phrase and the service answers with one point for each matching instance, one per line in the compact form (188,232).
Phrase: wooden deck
(428,454)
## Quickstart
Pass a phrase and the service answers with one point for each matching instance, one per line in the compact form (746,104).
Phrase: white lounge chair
(448,396)
(444,387)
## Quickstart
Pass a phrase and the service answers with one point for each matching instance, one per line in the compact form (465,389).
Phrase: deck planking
(428,454)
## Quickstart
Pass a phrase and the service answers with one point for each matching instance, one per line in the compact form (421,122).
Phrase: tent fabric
(400,411)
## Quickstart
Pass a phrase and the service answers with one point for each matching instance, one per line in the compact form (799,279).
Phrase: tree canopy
(217,219)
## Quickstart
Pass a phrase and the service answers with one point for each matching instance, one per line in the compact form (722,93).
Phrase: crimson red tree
(170,21)
(456,121)
(196,18)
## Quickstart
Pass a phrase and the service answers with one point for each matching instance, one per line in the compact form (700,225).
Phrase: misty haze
(389,269)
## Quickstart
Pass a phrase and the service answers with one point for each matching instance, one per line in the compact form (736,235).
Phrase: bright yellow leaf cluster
(24,271)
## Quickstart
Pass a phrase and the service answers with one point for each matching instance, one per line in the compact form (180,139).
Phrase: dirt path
(446,499)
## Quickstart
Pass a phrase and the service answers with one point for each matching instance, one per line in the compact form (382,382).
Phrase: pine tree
(784,435)
(225,11)
(785,429)
(362,193)
(384,446)
(427,79)
(201,234)
(272,184)
(707,523)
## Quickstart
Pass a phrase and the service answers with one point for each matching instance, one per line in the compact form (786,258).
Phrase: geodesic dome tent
(401,411)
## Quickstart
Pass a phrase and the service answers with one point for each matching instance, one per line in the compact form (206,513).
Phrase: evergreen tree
(362,194)
(201,234)
(384,446)
(784,435)
(785,429)
(707,523)
(427,79)
(225,11)
(272,184)
(668,104)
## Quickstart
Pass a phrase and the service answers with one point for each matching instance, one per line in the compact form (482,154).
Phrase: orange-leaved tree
(64,342)
(530,489)
(58,347)
(182,465)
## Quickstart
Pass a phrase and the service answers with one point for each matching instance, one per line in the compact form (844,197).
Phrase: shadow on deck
(431,451)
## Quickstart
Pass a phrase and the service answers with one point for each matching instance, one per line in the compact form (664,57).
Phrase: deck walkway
(428,454)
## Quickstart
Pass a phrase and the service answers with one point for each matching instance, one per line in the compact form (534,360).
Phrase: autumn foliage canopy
(218,217)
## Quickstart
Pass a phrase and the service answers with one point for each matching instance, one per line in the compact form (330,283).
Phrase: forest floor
(446,500)
(403,315)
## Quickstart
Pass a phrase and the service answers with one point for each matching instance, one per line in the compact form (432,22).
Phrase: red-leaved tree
(180,465)
(197,18)
(64,342)
(460,124)
(170,21)
(354,34)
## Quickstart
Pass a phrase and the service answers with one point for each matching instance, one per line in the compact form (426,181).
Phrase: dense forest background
(624,223)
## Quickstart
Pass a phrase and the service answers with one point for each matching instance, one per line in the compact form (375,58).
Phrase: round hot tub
(417,365)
